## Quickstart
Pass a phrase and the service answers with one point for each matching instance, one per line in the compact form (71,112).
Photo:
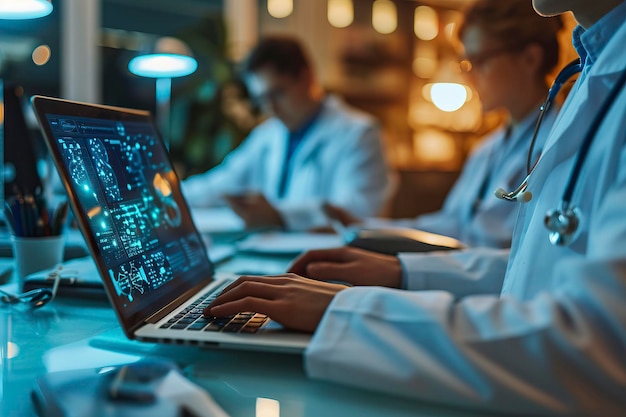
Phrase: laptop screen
(120,178)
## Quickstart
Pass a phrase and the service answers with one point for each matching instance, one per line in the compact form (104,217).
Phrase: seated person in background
(511,51)
(553,341)
(314,149)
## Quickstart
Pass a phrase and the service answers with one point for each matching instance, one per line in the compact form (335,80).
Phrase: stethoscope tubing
(565,74)
(563,223)
(590,135)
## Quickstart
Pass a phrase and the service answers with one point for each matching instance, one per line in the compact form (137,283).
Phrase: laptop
(151,258)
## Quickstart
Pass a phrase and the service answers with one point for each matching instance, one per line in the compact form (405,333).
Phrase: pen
(20,217)
(27,220)
(35,223)
(28,216)
(40,209)
(58,218)
(45,218)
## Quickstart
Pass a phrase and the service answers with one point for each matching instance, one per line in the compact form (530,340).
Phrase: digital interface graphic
(129,194)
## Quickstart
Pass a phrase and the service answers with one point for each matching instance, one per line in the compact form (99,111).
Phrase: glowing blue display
(127,190)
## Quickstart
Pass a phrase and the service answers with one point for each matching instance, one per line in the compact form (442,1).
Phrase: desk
(63,336)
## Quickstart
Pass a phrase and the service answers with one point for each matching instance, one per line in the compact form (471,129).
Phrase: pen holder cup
(33,254)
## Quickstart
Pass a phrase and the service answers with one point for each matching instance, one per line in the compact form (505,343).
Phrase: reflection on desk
(288,243)
(74,333)
(59,337)
(217,220)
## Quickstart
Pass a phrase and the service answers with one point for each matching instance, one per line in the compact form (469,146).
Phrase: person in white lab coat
(508,64)
(553,342)
(314,150)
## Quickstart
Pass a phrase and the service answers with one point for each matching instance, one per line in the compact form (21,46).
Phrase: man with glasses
(312,150)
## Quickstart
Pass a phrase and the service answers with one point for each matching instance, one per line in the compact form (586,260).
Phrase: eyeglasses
(475,61)
(271,96)
(39,297)
(273,89)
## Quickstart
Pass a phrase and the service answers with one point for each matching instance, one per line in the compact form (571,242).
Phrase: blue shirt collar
(304,128)
(589,43)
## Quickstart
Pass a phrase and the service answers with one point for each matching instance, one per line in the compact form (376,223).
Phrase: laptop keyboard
(191,318)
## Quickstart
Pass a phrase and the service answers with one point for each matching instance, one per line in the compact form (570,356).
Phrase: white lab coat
(339,161)
(504,164)
(555,341)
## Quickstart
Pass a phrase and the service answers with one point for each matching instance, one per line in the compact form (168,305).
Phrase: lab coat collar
(591,42)
(318,133)
(310,122)
(601,78)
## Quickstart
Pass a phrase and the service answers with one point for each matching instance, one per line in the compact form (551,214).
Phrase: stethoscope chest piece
(563,225)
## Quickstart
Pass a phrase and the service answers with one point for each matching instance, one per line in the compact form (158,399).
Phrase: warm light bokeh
(340,13)
(279,8)
(384,16)
(425,23)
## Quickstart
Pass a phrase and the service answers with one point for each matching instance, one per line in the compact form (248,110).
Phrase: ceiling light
(340,13)
(280,8)
(448,97)
(384,16)
(425,23)
(24,9)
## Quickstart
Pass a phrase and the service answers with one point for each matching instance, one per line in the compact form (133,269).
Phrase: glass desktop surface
(72,334)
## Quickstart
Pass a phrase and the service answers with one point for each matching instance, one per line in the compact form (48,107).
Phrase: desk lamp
(24,9)
(169,58)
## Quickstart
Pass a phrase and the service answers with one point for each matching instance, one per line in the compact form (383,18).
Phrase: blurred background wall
(397,59)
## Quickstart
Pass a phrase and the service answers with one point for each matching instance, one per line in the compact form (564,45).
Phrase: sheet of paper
(288,243)
(216,220)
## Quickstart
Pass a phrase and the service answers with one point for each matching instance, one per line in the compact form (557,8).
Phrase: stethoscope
(562,223)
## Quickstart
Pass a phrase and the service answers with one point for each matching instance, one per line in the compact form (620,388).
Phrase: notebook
(151,258)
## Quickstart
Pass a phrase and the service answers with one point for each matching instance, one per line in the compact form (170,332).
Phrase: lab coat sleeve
(231,176)
(492,225)
(453,218)
(559,354)
(450,220)
(447,220)
(358,181)
(462,273)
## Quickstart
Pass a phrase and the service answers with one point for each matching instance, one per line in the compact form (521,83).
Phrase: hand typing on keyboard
(191,318)
(291,300)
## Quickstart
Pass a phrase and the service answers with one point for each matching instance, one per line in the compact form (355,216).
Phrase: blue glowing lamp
(162,65)
(24,9)
(169,58)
